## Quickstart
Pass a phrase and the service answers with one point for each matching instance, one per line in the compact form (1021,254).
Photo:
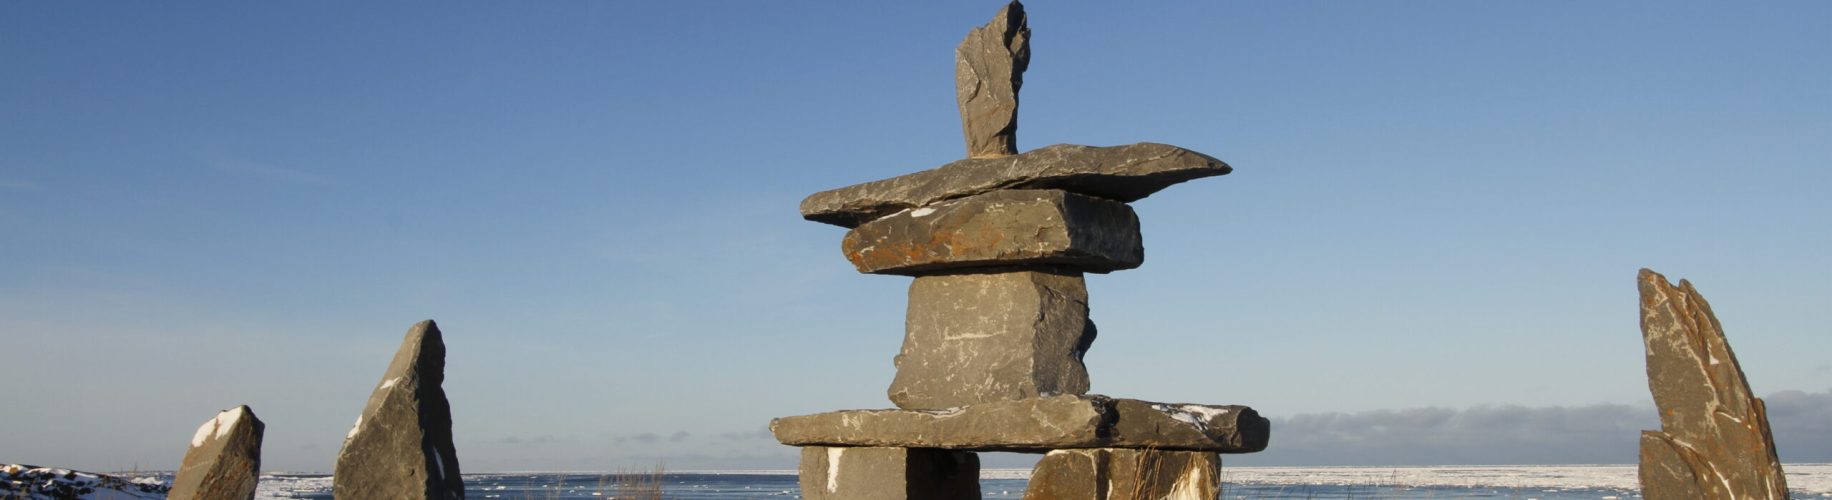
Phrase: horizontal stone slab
(1036,426)
(1001,228)
(1119,173)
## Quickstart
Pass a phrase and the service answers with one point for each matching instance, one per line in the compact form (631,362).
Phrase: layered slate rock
(1714,439)
(1125,474)
(836,473)
(988,72)
(975,338)
(401,445)
(1001,228)
(1119,173)
(224,460)
(1037,425)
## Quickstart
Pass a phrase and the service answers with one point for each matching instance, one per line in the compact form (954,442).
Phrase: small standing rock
(224,460)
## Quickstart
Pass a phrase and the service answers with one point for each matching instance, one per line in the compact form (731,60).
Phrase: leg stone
(1125,474)
(977,338)
(888,474)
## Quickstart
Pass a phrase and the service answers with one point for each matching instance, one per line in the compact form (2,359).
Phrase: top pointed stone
(988,71)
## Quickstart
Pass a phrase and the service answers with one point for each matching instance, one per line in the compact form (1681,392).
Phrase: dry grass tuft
(634,485)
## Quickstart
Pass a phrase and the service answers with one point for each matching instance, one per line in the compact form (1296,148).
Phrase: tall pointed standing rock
(401,446)
(224,460)
(1714,438)
(988,71)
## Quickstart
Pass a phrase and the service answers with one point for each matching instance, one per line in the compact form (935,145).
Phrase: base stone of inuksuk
(224,460)
(999,245)
(401,446)
(1714,439)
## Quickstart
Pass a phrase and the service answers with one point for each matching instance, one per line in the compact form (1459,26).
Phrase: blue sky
(1436,205)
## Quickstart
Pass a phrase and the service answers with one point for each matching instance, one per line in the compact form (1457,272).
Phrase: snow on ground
(277,486)
(32,482)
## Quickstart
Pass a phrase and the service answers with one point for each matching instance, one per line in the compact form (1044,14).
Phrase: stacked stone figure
(997,323)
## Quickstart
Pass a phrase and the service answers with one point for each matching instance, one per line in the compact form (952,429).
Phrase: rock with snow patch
(844,473)
(1026,227)
(1714,439)
(981,337)
(224,459)
(401,446)
(1125,474)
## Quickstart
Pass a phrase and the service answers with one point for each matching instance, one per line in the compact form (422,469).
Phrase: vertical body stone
(975,338)
(1125,474)
(224,460)
(841,473)
(401,446)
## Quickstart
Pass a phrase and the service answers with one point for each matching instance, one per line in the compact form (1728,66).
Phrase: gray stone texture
(1037,425)
(1001,228)
(401,445)
(1125,474)
(842,473)
(1714,439)
(988,72)
(224,460)
(1119,173)
(976,338)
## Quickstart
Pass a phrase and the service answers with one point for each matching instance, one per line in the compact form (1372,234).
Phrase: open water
(1542,483)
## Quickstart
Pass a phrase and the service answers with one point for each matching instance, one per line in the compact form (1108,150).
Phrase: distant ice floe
(274,487)
(1801,478)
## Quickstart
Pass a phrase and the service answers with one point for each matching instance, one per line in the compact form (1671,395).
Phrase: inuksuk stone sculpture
(998,323)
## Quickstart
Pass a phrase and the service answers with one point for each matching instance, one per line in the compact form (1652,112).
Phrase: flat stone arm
(1037,425)
(1119,173)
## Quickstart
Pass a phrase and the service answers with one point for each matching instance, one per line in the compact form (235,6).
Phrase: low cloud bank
(1499,435)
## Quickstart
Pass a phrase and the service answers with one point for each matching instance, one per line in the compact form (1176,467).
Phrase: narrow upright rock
(401,445)
(988,71)
(224,460)
(1714,438)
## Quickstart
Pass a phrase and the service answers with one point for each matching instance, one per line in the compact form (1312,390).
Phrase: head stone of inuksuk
(997,322)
